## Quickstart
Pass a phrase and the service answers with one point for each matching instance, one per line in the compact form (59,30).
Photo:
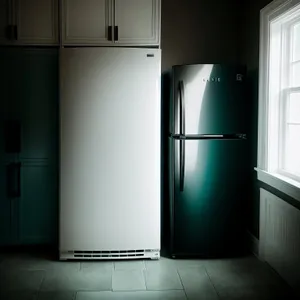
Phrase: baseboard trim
(253,244)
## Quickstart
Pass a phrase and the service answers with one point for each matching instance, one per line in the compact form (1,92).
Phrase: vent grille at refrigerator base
(104,255)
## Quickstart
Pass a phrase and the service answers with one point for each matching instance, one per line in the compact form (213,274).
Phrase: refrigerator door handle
(182,165)
(182,108)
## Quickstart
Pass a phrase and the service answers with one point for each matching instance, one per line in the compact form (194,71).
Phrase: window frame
(268,15)
(288,89)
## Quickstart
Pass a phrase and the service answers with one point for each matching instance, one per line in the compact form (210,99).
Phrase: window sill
(284,184)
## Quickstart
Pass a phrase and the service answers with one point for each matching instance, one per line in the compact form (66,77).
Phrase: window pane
(296,74)
(292,157)
(296,42)
(294,108)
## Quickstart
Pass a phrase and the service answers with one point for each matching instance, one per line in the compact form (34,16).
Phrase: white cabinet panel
(36,22)
(138,21)
(86,22)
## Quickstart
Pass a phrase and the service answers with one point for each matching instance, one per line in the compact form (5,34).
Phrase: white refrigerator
(110,115)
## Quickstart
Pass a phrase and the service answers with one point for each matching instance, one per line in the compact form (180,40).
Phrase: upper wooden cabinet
(5,21)
(111,22)
(37,21)
(137,22)
(83,22)
(29,22)
(86,22)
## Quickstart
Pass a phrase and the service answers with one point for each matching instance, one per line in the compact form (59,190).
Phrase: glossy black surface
(208,160)
(212,98)
(207,214)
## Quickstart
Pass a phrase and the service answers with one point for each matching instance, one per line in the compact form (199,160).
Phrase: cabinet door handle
(13,177)
(110,33)
(116,33)
(16,32)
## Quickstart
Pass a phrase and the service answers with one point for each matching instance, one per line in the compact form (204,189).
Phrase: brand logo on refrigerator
(211,79)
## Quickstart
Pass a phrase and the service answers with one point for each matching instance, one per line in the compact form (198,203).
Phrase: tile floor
(38,277)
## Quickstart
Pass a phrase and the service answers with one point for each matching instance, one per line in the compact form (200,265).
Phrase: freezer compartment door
(208,188)
(109,149)
(208,99)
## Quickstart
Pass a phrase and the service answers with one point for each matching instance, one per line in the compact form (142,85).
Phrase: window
(279,108)
(291,112)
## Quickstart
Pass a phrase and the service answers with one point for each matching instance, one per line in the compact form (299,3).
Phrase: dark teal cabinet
(38,102)
(38,94)
(38,203)
(32,100)
(7,112)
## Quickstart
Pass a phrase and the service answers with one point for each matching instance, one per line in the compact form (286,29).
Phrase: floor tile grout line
(165,290)
(212,282)
(129,291)
(40,287)
(144,274)
(182,284)
(112,274)
(82,290)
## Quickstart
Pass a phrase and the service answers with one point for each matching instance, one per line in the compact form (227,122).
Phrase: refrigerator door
(207,188)
(109,149)
(208,99)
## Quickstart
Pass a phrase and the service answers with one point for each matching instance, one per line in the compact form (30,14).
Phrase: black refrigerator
(208,160)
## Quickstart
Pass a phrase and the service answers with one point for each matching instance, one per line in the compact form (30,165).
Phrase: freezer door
(109,149)
(207,188)
(208,99)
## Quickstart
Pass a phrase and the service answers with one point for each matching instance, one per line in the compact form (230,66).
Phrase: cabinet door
(138,22)
(37,22)
(5,202)
(38,205)
(5,20)
(86,22)
(37,93)
(8,155)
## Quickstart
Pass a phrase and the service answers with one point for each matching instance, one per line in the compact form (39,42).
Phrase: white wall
(248,50)
(196,31)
